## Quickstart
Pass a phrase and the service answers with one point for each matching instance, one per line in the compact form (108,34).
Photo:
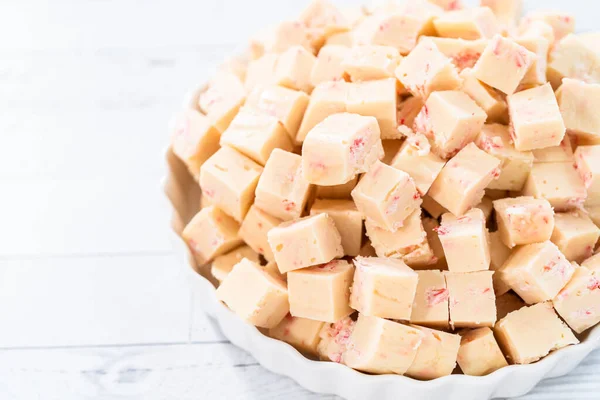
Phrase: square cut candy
(451,120)
(283,36)
(328,66)
(254,295)
(345,39)
(223,97)
(503,64)
(282,189)
(495,140)
(530,333)
(577,303)
(294,68)
(304,242)
(427,69)
(524,220)
(383,287)
(342,191)
(465,235)
(489,99)
(323,19)
(536,75)
(559,183)
(326,99)
(471,299)
(222,265)
(390,29)
(381,346)
(575,56)
(302,333)
(499,253)
(506,11)
(335,339)
(376,99)
(461,183)
(339,148)
(562,23)
(577,101)
(321,292)
(587,160)
(592,263)
(436,356)
(575,235)
(211,233)
(479,353)
(370,62)
(254,229)
(469,23)
(535,119)
(261,72)
(463,53)
(448,5)
(430,307)
(408,111)
(347,219)
(229,179)
(386,196)
(537,29)
(561,153)
(536,272)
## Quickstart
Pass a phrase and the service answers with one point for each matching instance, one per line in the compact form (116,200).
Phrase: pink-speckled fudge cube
(562,23)
(302,333)
(587,160)
(559,183)
(430,307)
(506,11)
(463,53)
(376,99)
(540,46)
(578,102)
(471,299)
(592,263)
(223,264)
(436,356)
(328,66)
(323,19)
(261,72)
(335,339)
(371,62)
(574,56)
(254,229)
(408,111)
(326,99)
(524,220)
(294,68)
(395,30)
(490,100)
(578,303)
(561,153)
(575,235)
(347,219)
(222,99)
(469,23)
(479,353)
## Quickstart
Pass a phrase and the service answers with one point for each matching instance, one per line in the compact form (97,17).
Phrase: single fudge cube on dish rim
(577,303)
(436,356)
(479,353)
(302,333)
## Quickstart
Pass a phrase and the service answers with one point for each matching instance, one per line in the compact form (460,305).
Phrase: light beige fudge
(193,139)
(562,23)
(577,303)
(305,242)
(463,53)
(506,11)
(471,299)
(450,119)
(408,110)
(448,5)
(536,75)
(254,295)
(503,64)
(594,214)
(386,196)
(211,233)
(383,287)
(347,219)
(282,189)
(254,229)
(345,39)
(223,264)
(321,292)
(507,303)
(340,147)
(436,356)
(229,179)
(561,153)
(575,56)
(537,28)
(479,353)
(592,263)
(328,66)
(465,235)
(323,19)
(326,99)
(342,191)
(536,272)
(469,23)
(530,333)
(432,207)
(426,69)
(495,140)
(285,104)
(283,36)
(587,160)
(430,307)
(376,99)
(499,253)
(371,62)
(223,97)
(335,339)
(416,159)
(575,235)
(489,99)
(261,72)
(535,119)
(524,220)
(461,183)
(559,183)
(577,102)
(431,226)
(294,68)
(302,333)
(381,346)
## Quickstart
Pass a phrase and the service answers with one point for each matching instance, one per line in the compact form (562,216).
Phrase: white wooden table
(92,305)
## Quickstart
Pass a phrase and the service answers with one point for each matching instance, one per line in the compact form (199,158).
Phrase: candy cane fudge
(342,191)
(222,265)
(448,5)
(507,303)
(524,220)
(408,110)
(436,355)
(463,53)
(254,229)
(294,68)
(561,153)
(348,221)
(261,72)
(285,35)
(345,39)
(471,299)
(577,303)
(574,56)
(577,101)
(499,253)
(335,339)
(487,98)
(371,62)
(506,11)
(302,333)
(479,353)
(559,183)
(326,99)
(254,295)
(536,75)
(328,66)
(376,99)
(588,166)
(530,333)
(223,97)
(592,263)
(430,307)
(537,28)
(469,23)
(323,19)
(562,23)
(395,30)
(575,235)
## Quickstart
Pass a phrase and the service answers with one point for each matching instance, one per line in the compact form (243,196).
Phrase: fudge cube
(287,34)
(321,292)
(211,233)
(193,139)
(345,39)
(347,219)
(588,165)
(256,135)
(507,303)
(302,333)
(530,333)
(326,99)
(463,53)
(339,148)
(577,102)
(342,191)
(261,72)
(254,295)
(561,153)
(495,140)
(592,263)
(524,220)
(430,307)
(254,230)
(222,265)
(594,214)
(469,23)
(503,64)
(574,56)
(229,179)
(432,207)
(431,226)
(562,23)
(335,339)
(451,120)
(328,66)
(408,111)
(537,29)
(506,11)
(383,287)
(559,183)
(376,99)
(304,242)
(471,299)
(536,272)
(577,303)
(294,68)
(322,19)
(282,189)
(479,353)
(489,99)
(499,253)
(371,62)
(536,75)
(285,104)
(535,118)
(390,29)
(426,69)
(436,356)
(381,346)
(448,5)
(461,183)
(575,235)
(223,97)
(386,196)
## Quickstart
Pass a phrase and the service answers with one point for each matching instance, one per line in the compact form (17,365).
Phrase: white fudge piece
(469,23)
(489,99)
(254,230)
(335,339)
(578,302)
(302,333)
(524,220)
(463,53)
(377,99)
(221,100)
(328,66)
(575,235)
(430,307)
(559,183)
(371,62)
(587,160)
(575,56)
(347,219)
(479,353)
(471,299)
(436,356)
(294,68)
(578,104)
(223,264)
(562,23)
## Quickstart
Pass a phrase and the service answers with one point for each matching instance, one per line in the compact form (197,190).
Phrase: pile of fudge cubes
(404,187)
